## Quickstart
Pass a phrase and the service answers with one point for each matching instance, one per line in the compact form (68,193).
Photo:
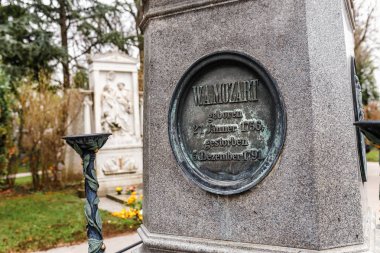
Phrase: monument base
(109,183)
(119,167)
(158,243)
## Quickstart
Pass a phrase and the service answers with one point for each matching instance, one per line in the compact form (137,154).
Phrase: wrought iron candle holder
(371,129)
(87,146)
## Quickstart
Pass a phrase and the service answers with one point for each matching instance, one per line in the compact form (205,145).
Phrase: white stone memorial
(116,107)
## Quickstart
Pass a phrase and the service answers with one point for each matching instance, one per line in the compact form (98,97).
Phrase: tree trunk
(33,163)
(12,170)
(139,16)
(141,71)
(64,43)
(20,136)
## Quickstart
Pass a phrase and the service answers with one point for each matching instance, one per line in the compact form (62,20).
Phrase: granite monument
(249,143)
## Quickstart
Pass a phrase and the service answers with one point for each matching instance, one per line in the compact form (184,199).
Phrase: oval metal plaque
(227,123)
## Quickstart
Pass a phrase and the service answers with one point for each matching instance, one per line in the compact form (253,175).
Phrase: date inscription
(229,122)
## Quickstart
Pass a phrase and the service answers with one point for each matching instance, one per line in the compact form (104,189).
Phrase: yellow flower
(131,214)
(131,200)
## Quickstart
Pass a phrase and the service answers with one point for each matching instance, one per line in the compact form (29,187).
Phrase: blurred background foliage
(43,50)
(366,44)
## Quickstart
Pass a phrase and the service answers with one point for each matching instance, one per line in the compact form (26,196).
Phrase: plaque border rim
(359,136)
(211,185)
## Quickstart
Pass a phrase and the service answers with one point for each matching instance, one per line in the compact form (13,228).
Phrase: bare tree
(365,46)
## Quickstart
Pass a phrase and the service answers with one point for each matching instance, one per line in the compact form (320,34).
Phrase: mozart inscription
(226,123)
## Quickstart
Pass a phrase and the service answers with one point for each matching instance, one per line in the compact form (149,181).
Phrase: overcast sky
(377,38)
(367,5)
(377,35)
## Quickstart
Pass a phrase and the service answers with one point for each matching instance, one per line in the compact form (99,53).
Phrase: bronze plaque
(227,123)
(359,116)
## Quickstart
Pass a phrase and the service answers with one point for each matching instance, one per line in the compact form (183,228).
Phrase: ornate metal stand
(371,129)
(87,146)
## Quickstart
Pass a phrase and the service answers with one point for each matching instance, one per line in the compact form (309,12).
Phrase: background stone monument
(116,103)
(295,56)
(80,113)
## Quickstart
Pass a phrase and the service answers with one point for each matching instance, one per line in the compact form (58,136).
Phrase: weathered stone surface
(159,243)
(169,5)
(311,199)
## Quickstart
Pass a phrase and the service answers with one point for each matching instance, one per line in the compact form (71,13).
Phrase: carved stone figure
(116,110)
(109,123)
(123,107)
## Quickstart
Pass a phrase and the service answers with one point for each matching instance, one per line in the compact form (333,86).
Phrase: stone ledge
(180,8)
(168,243)
(122,198)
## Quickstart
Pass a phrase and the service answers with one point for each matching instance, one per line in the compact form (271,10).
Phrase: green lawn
(43,220)
(23,181)
(373,155)
(22,169)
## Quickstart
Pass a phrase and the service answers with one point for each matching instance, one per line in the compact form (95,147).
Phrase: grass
(23,169)
(40,221)
(23,181)
(373,155)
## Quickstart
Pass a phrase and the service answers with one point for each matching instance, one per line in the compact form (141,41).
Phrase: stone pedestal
(113,79)
(80,113)
(313,198)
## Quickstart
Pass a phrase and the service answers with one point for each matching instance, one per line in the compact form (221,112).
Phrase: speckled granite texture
(311,199)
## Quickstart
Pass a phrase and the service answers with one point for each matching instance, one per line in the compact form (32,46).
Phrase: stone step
(121,198)
(118,198)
